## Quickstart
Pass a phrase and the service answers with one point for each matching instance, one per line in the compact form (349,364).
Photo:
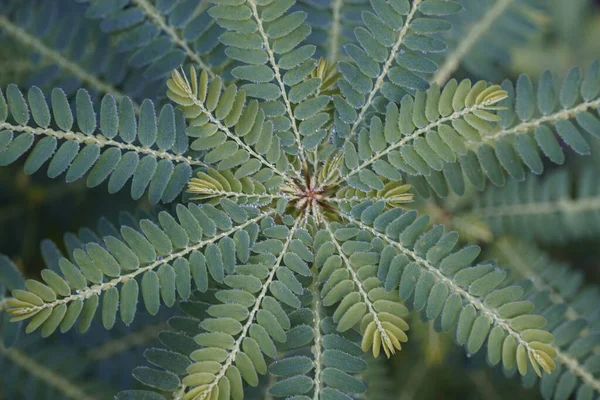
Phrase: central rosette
(309,197)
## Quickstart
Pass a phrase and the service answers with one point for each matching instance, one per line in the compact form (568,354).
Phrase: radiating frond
(268,41)
(248,319)
(117,145)
(572,311)
(318,361)
(545,208)
(425,135)
(547,114)
(159,36)
(161,260)
(348,272)
(235,133)
(536,120)
(443,284)
(491,146)
(391,58)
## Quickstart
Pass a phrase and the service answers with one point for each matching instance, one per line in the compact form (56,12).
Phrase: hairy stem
(386,67)
(529,126)
(102,287)
(210,193)
(279,79)
(355,199)
(263,293)
(490,313)
(565,206)
(578,370)
(361,289)
(100,141)
(154,15)
(317,349)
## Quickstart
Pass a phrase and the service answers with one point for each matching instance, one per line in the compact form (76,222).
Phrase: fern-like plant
(286,169)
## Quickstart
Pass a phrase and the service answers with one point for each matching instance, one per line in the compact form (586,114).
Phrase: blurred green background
(34,208)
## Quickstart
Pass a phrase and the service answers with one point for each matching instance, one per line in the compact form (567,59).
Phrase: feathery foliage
(157,37)
(571,310)
(286,141)
(166,258)
(556,208)
(527,123)
(442,285)
(117,144)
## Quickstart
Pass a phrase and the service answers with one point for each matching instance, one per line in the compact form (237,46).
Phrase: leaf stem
(100,141)
(279,79)
(490,313)
(154,15)
(361,289)
(529,126)
(263,293)
(99,288)
(386,68)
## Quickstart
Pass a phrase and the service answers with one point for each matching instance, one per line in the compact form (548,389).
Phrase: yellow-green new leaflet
(285,167)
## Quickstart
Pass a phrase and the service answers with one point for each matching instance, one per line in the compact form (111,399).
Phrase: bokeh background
(35,209)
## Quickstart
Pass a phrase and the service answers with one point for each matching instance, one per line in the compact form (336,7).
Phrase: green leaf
(162,380)
(129,298)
